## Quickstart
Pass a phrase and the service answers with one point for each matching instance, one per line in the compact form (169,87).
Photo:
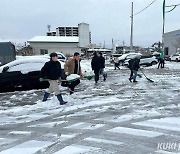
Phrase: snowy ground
(115,116)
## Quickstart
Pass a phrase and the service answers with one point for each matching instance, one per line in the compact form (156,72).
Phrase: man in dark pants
(102,66)
(116,64)
(130,67)
(52,71)
(95,65)
(161,59)
(72,66)
(135,68)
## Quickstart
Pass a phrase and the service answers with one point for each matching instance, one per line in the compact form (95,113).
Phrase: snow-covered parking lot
(114,116)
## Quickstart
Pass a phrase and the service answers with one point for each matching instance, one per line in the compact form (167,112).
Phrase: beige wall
(65,48)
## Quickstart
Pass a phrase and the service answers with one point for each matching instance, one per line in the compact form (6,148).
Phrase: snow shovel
(139,75)
(89,77)
(146,76)
(43,79)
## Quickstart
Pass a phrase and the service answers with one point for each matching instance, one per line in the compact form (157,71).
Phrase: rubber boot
(59,97)
(46,95)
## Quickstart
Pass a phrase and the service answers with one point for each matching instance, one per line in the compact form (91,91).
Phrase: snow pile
(73,77)
(25,65)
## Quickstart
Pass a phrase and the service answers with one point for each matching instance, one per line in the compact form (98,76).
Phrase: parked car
(145,60)
(148,60)
(61,57)
(127,56)
(167,57)
(23,74)
(114,56)
(156,54)
(175,57)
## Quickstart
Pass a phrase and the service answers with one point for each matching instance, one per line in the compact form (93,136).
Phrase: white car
(61,57)
(23,74)
(127,56)
(175,57)
(145,60)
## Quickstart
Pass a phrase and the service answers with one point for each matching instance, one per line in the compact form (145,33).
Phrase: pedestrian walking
(52,71)
(96,66)
(102,66)
(135,67)
(161,60)
(116,63)
(72,66)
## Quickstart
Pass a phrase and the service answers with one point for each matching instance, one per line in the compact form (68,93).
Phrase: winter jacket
(102,62)
(162,54)
(69,66)
(135,64)
(130,63)
(95,63)
(51,70)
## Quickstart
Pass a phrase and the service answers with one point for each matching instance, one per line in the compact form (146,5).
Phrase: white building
(48,44)
(65,39)
(172,42)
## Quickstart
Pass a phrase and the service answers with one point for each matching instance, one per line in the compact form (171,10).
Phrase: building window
(43,51)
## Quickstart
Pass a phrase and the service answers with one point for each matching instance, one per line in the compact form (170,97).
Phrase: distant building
(172,42)
(7,52)
(126,49)
(65,39)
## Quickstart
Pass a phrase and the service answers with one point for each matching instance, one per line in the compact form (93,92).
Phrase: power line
(171,9)
(173,5)
(144,8)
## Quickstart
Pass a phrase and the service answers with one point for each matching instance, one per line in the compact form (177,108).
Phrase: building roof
(100,50)
(174,31)
(56,39)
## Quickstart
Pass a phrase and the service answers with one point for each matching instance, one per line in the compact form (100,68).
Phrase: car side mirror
(5,69)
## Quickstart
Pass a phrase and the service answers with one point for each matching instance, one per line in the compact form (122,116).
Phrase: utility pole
(131,39)
(123,43)
(104,46)
(163,31)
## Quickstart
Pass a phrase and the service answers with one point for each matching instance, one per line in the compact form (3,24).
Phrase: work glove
(41,79)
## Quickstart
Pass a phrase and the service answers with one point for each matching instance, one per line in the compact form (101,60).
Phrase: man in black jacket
(95,65)
(135,67)
(52,71)
(102,66)
(130,67)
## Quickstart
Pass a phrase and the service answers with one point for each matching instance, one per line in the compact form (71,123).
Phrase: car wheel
(153,63)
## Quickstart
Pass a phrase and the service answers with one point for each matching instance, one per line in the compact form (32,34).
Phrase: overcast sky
(20,20)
